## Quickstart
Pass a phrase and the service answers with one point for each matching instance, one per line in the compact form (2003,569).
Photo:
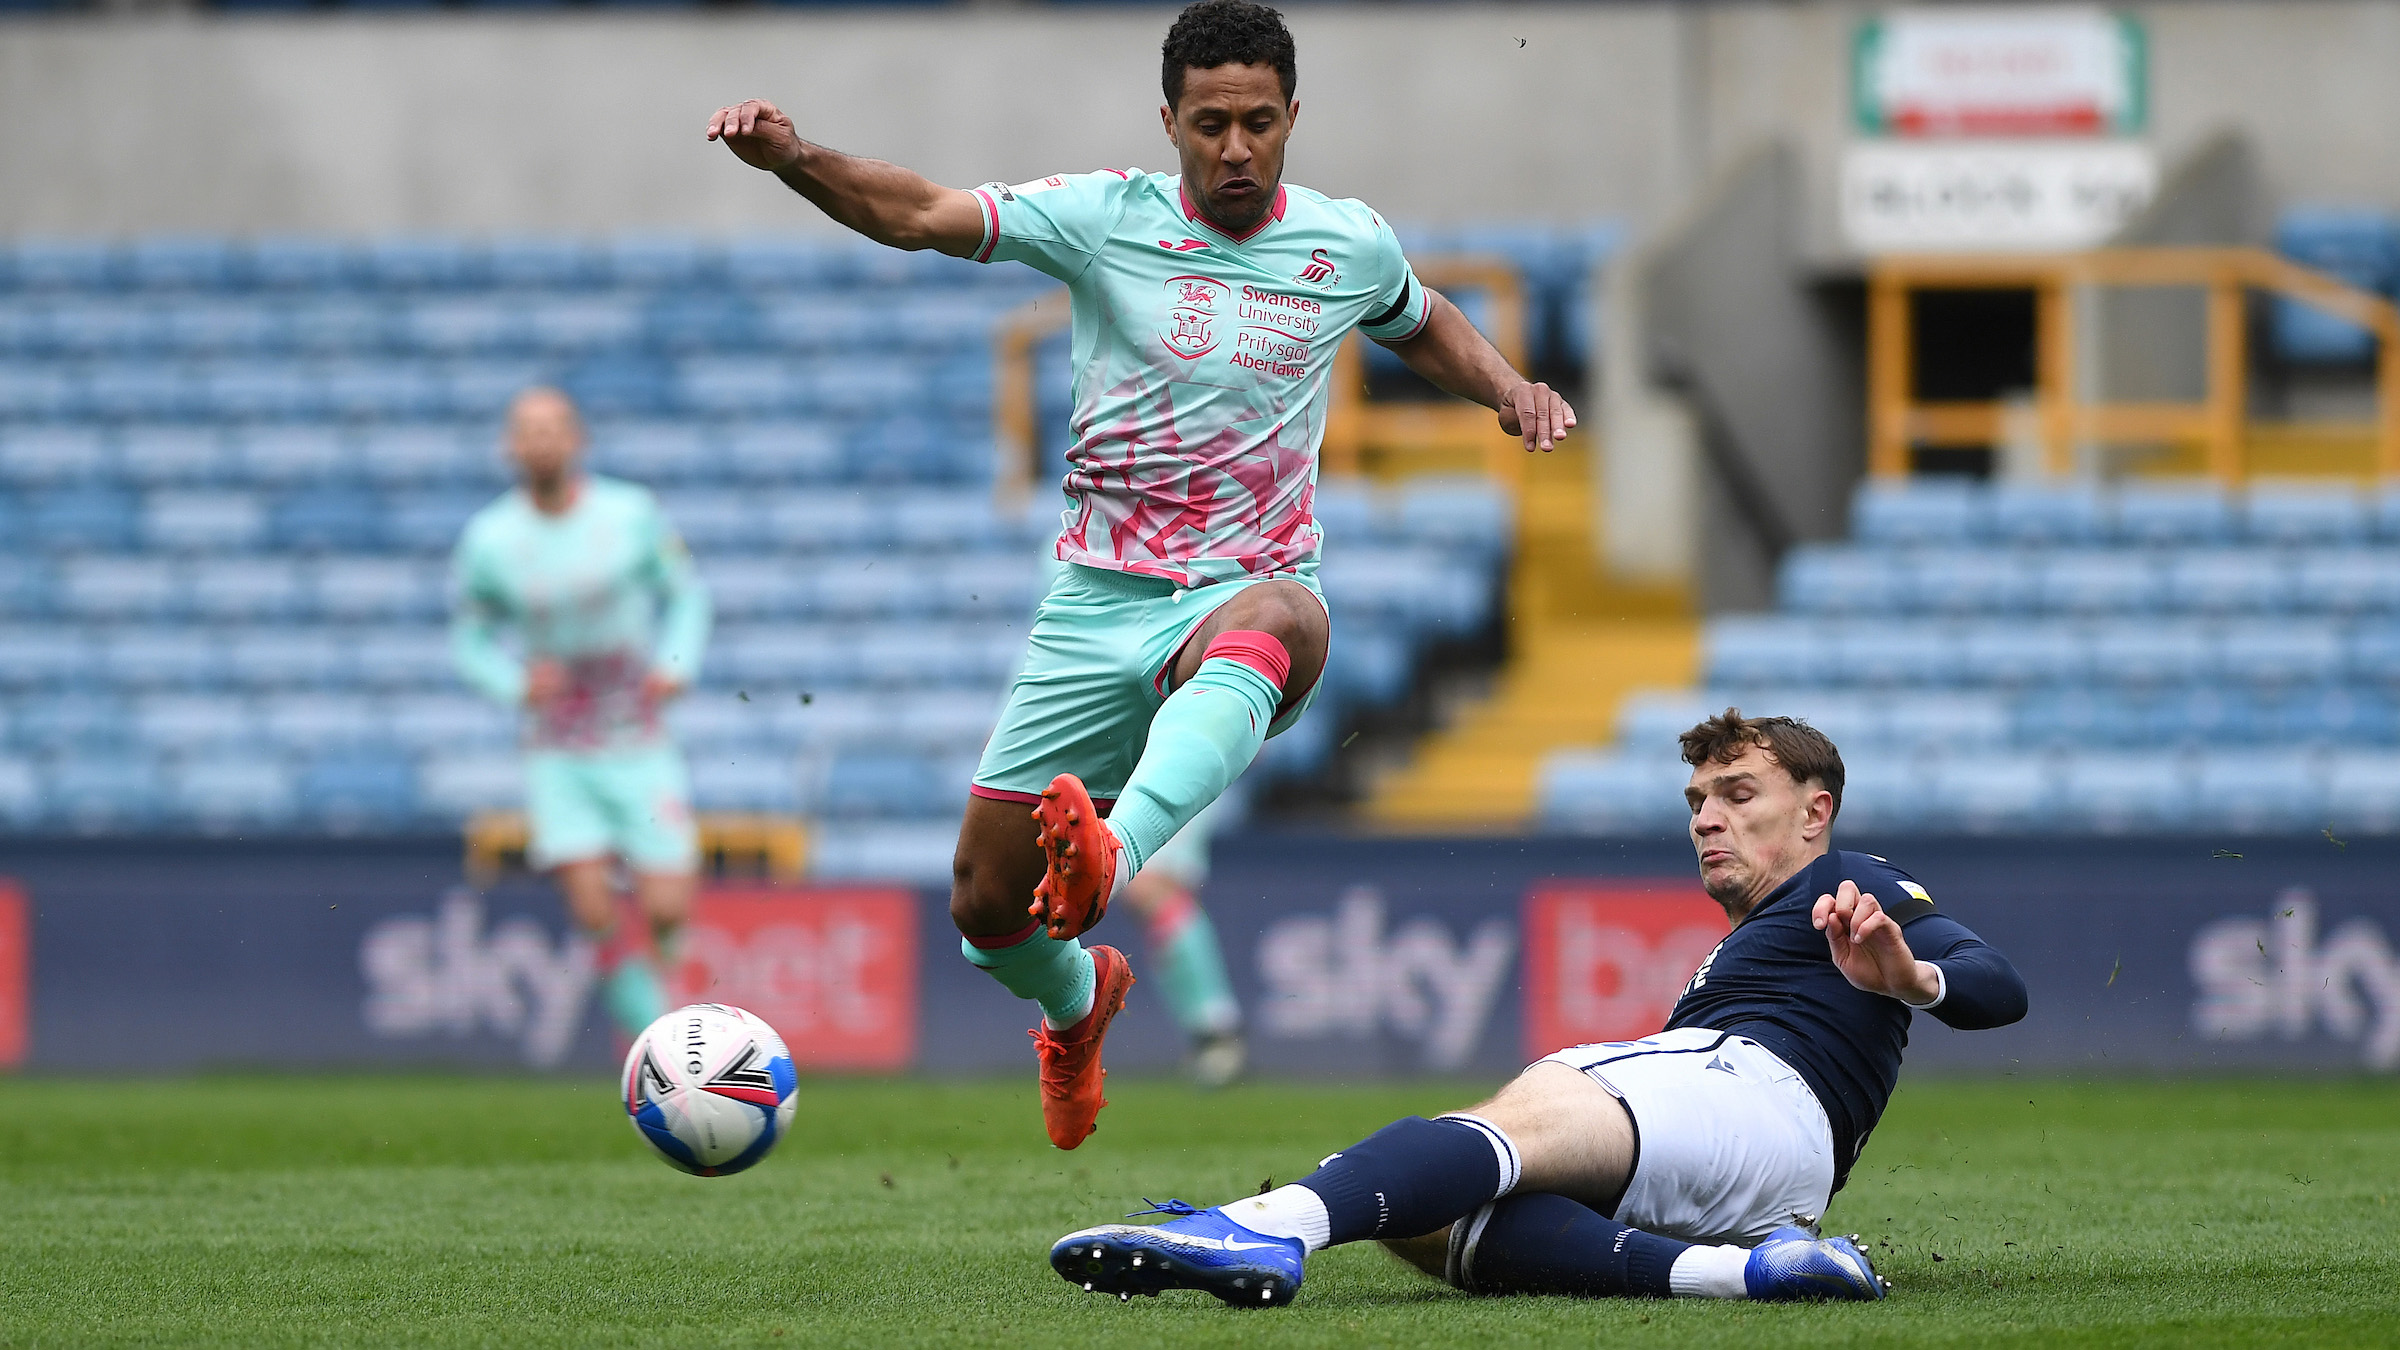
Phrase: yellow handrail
(2218,423)
(1401,435)
(731,843)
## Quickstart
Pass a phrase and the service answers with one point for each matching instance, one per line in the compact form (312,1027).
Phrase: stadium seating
(2006,658)
(231,473)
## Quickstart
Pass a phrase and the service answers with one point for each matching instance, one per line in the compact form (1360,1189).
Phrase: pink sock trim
(1004,940)
(1259,651)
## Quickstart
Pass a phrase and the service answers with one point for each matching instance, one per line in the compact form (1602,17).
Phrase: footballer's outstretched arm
(884,202)
(1459,360)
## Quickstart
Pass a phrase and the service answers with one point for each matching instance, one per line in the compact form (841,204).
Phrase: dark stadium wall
(588,120)
(1353,958)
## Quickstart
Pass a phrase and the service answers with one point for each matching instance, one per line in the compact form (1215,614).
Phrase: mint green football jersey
(607,589)
(1203,362)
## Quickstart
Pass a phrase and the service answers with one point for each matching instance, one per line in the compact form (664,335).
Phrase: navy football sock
(1413,1176)
(1548,1244)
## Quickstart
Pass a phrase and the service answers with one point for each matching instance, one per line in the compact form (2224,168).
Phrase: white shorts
(1733,1145)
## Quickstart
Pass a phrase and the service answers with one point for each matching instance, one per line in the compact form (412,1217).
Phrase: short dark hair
(1212,33)
(1805,753)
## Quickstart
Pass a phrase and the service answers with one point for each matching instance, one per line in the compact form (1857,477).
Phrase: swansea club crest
(1190,329)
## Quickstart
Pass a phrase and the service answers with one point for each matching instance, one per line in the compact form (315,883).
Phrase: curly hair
(1211,33)
(1805,753)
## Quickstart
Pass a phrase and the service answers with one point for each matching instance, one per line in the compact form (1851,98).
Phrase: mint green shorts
(1095,673)
(633,804)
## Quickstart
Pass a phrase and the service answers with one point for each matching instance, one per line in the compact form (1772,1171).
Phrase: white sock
(1124,876)
(1286,1212)
(1082,1010)
(1710,1272)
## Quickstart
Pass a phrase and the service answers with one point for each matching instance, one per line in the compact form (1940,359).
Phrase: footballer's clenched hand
(758,133)
(1868,948)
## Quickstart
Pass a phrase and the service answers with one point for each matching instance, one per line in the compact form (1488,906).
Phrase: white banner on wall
(2016,195)
(2017,70)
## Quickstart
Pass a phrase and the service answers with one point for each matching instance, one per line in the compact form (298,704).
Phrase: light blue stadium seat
(382,390)
(1836,579)
(2023,653)
(1650,719)
(881,783)
(629,384)
(1633,792)
(928,654)
(1894,652)
(830,520)
(1887,788)
(944,321)
(323,722)
(203,522)
(102,587)
(52,456)
(266,390)
(782,261)
(2101,581)
(366,588)
(74,719)
(427,454)
(1301,752)
(2197,715)
(660,261)
(944,521)
(185,722)
(461,325)
(745,778)
(1369,664)
(424,722)
(2074,717)
(108,327)
(160,657)
(28,583)
(243,588)
(2386,511)
(359,790)
(2160,651)
(228,791)
(863,386)
(165,454)
(300,262)
(223,327)
(2373,653)
(783,658)
(451,784)
(2347,581)
(64,264)
(181,262)
(2228,581)
(80,519)
(2280,651)
(1966,581)
(1937,720)
(37,655)
(2125,792)
(20,790)
(38,391)
(287,658)
(2330,714)
(293,455)
(829,324)
(1915,511)
(151,388)
(1996,793)
(2180,513)
(1004,585)
(953,721)
(2290,513)
(755,586)
(402,656)
(654,452)
(2258,791)
(420,262)
(1767,650)
(714,518)
(104,791)
(962,386)
(572,324)
(837,719)
(2362,790)
(1459,512)
(323,519)
(541,262)
(695,321)
(779,452)
(711,718)
(430,522)
(1350,515)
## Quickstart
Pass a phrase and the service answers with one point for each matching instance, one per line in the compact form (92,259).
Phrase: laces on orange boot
(1072,1078)
(1080,855)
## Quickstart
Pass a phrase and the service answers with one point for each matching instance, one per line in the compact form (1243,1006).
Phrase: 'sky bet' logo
(1190,327)
(1606,962)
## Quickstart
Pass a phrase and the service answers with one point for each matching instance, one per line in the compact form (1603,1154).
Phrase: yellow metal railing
(731,843)
(2218,426)
(1362,436)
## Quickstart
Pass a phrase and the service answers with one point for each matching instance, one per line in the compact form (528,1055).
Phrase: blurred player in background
(1188,625)
(1190,964)
(611,621)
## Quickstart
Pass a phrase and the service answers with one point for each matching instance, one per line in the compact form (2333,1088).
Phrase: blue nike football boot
(1794,1264)
(1196,1249)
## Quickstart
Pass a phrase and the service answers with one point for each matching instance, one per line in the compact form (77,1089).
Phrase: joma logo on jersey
(1320,271)
(1190,327)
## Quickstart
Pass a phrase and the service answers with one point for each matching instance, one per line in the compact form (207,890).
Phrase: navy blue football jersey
(1773,980)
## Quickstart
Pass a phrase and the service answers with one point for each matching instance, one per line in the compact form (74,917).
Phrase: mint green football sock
(1191,969)
(1204,735)
(634,995)
(1057,975)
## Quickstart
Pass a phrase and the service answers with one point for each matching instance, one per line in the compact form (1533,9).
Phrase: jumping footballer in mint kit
(1188,625)
(610,618)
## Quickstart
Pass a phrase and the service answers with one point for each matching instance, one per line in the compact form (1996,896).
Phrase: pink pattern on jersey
(1238,498)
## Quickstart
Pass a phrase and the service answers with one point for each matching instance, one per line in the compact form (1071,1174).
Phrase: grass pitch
(440,1211)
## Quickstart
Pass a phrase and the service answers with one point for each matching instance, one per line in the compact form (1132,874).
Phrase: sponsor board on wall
(1352,958)
(2013,195)
(1993,70)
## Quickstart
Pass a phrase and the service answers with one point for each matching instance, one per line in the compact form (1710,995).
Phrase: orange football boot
(1071,1074)
(1081,853)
